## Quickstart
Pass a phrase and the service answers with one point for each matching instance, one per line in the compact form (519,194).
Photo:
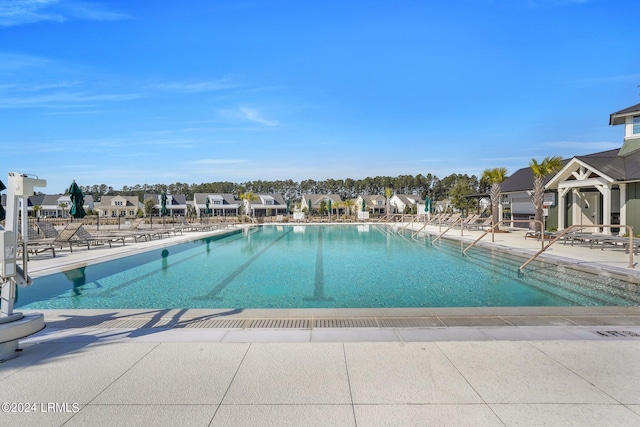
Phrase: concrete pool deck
(365,367)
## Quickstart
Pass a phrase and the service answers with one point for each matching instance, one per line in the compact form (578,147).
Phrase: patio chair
(82,235)
(37,244)
(66,236)
(48,229)
(134,231)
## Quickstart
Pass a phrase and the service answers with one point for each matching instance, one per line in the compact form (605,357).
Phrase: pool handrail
(493,227)
(566,230)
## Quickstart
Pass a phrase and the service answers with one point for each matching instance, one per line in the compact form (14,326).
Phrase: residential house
(55,205)
(317,202)
(375,204)
(176,203)
(267,205)
(405,203)
(115,206)
(219,204)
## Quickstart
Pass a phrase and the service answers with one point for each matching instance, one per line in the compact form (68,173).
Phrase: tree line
(453,187)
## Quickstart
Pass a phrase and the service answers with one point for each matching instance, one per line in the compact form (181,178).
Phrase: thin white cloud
(22,12)
(217,161)
(63,99)
(255,116)
(197,87)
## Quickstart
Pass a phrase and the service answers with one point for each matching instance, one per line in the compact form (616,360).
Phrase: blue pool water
(317,266)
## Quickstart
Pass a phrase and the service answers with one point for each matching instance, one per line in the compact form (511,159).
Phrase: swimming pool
(299,266)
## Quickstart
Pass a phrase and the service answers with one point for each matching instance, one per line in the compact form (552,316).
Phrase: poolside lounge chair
(82,235)
(134,231)
(48,229)
(66,236)
(186,226)
(37,244)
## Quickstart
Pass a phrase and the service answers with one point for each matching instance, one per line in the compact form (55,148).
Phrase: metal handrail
(450,227)
(493,227)
(566,230)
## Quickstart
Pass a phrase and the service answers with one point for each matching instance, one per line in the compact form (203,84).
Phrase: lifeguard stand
(15,326)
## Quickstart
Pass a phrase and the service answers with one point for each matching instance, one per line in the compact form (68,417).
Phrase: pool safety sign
(549,199)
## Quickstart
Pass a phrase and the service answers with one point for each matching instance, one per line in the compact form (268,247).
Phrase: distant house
(402,202)
(176,203)
(267,205)
(316,202)
(219,204)
(375,204)
(115,206)
(55,205)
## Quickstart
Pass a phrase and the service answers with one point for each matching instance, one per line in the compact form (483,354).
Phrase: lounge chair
(37,244)
(48,229)
(66,236)
(133,231)
(82,235)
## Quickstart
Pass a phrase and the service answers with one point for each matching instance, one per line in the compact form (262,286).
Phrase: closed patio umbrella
(77,201)
(309,206)
(3,214)
(329,207)
(163,204)
(207,211)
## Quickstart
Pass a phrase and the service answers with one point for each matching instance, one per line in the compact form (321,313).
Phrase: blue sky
(134,92)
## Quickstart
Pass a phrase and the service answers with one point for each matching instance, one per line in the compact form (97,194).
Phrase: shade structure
(163,204)
(77,201)
(207,211)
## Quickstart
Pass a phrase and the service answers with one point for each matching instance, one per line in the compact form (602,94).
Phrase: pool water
(302,266)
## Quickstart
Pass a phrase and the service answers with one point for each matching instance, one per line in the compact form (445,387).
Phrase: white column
(623,207)
(606,208)
(562,193)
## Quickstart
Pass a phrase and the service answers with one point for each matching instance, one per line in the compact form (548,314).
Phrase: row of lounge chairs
(48,238)
(593,240)
(475,222)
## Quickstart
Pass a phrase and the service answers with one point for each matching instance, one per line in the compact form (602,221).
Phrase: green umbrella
(206,203)
(288,203)
(427,205)
(163,204)
(364,205)
(329,206)
(3,214)
(77,201)
(309,206)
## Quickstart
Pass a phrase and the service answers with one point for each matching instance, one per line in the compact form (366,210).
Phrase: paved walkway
(566,366)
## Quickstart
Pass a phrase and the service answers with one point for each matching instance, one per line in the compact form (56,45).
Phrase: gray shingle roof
(617,118)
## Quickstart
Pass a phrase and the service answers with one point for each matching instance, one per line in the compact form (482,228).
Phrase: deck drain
(618,334)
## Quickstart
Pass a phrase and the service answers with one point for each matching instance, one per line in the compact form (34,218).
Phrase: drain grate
(345,323)
(280,324)
(618,334)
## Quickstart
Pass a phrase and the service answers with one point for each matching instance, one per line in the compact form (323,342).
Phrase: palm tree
(388,192)
(63,206)
(247,197)
(348,204)
(548,166)
(494,177)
